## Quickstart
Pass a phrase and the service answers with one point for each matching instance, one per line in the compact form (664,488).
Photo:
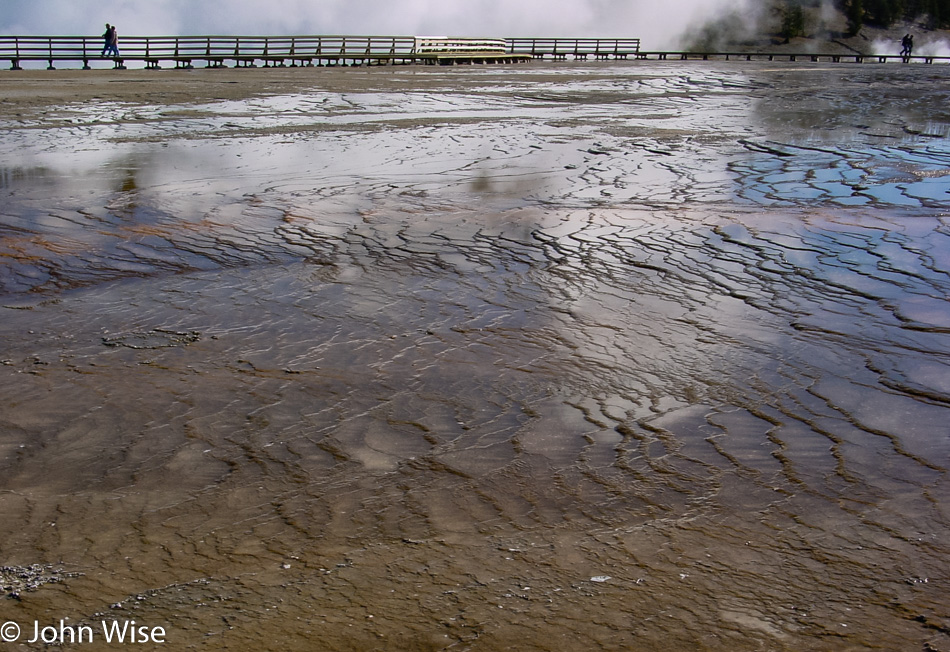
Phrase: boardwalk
(249,51)
(793,56)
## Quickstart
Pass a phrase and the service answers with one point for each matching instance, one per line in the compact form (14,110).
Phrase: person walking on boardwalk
(111,41)
(107,39)
(907,45)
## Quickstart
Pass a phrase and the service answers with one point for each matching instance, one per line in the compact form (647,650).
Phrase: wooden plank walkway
(793,56)
(241,51)
(250,51)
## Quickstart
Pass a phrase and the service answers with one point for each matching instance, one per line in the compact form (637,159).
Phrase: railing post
(15,63)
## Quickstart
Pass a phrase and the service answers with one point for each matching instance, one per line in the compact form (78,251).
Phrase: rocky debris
(157,338)
(15,580)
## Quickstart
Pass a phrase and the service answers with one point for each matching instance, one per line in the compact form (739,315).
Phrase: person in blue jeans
(111,41)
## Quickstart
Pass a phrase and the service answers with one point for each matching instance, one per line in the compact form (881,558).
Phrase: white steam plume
(657,24)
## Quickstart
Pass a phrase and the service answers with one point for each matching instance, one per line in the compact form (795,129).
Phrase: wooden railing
(218,51)
(577,48)
(851,57)
(215,51)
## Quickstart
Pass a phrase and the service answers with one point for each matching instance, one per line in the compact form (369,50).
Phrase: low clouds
(658,24)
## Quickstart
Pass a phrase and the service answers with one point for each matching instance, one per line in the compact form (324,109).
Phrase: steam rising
(748,22)
(658,24)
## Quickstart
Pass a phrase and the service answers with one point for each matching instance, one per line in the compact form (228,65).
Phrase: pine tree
(854,11)
(793,20)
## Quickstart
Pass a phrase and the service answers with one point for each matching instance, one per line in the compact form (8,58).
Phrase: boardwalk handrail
(835,57)
(298,50)
(215,51)
(578,48)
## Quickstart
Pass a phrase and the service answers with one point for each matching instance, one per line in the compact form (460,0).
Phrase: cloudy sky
(656,22)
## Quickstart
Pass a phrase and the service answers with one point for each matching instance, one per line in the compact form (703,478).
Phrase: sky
(658,23)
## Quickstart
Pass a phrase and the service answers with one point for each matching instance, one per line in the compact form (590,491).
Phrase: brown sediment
(39,89)
(622,356)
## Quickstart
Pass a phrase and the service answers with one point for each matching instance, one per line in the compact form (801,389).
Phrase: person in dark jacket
(111,41)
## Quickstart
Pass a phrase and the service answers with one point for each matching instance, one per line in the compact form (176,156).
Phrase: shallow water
(626,355)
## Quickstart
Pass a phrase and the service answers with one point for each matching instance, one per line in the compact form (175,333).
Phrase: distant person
(907,44)
(107,39)
(114,46)
(111,41)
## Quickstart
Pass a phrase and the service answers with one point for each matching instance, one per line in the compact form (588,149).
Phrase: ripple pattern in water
(630,356)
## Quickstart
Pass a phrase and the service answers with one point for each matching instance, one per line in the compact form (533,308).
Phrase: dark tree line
(885,12)
(793,18)
(879,13)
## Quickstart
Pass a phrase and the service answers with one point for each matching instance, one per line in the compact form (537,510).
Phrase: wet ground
(618,355)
